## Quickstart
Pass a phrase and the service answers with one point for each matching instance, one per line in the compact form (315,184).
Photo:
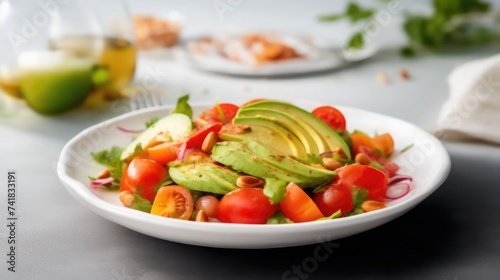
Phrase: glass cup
(58,55)
(107,37)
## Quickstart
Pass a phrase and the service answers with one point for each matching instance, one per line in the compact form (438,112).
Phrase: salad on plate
(264,161)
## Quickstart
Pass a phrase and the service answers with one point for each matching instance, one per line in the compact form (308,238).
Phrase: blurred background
(104,51)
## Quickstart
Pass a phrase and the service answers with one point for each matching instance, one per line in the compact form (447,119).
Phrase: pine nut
(331,163)
(104,174)
(362,159)
(127,198)
(201,216)
(249,182)
(209,142)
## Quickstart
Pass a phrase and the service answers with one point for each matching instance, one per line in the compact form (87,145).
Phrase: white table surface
(60,239)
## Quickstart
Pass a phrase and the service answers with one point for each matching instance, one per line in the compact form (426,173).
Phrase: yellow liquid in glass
(117,55)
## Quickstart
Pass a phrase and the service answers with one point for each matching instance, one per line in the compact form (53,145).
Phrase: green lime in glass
(53,82)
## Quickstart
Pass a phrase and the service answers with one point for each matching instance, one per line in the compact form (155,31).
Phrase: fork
(145,99)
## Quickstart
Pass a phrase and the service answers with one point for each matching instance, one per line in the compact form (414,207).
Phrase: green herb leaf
(183,107)
(333,17)
(407,148)
(358,197)
(152,121)
(311,159)
(356,13)
(275,190)
(141,204)
(221,113)
(111,159)
(279,218)
(357,41)
(332,216)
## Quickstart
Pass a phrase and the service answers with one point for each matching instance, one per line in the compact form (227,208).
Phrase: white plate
(317,59)
(427,162)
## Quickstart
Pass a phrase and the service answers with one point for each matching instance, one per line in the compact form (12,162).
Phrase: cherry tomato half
(173,202)
(298,206)
(214,114)
(142,176)
(246,206)
(363,176)
(331,116)
(334,198)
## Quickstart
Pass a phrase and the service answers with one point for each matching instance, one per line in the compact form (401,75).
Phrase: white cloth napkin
(472,111)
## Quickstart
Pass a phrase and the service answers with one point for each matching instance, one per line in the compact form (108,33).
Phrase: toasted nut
(382,78)
(404,74)
(201,216)
(362,159)
(249,182)
(338,153)
(104,174)
(331,163)
(372,205)
(209,142)
(127,198)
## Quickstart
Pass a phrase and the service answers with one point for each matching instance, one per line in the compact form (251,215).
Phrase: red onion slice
(122,129)
(399,187)
(327,153)
(100,182)
(399,178)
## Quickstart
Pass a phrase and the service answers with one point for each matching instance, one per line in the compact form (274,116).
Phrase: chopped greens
(457,23)
(183,106)
(279,218)
(275,190)
(111,159)
(141,204)
(152,121)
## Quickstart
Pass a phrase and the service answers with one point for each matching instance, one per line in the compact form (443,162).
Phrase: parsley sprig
(452,23)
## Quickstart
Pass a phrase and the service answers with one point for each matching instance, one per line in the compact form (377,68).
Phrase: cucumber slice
(177,125)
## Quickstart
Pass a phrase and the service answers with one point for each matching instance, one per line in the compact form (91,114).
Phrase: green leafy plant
(452,23)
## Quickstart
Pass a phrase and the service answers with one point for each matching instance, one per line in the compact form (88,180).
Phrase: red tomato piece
(173,202)
(388,166)
(246,206)
(196,137)
(363,176)
(142,176)
(334,198)
(331,116)
(215,113)
(298,206)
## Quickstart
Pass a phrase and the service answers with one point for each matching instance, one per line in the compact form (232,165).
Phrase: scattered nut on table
(382,78)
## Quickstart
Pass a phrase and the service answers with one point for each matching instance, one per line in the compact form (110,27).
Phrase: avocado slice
(318,129)
(204,175)
(304,133)
(269,133)
(177,125)
(253,158)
